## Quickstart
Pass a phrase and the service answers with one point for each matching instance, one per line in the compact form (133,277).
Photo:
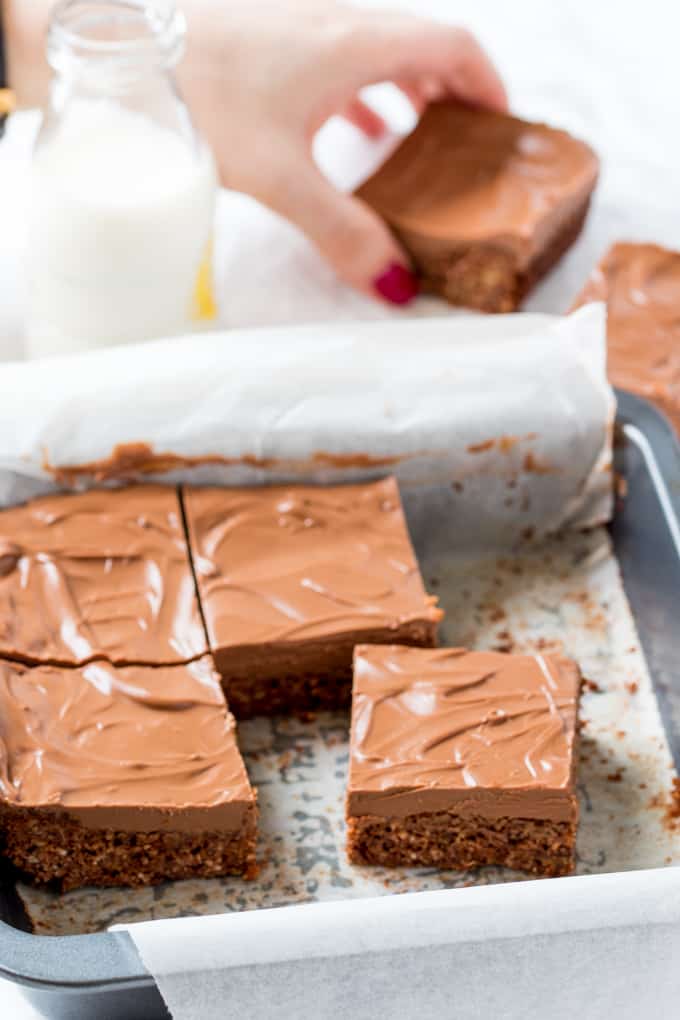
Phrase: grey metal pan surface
(101,975)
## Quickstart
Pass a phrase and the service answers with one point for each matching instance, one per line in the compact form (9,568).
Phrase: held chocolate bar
(484,203)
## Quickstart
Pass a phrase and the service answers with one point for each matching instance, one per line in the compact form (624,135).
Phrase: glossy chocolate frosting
(129,748)
(641,285)
(468,175)
(480,733)
(295,564)
(98,574)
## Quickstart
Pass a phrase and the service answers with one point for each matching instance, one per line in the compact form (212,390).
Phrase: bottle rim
(128,31)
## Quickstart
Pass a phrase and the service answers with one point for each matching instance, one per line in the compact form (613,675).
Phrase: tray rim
(57,963)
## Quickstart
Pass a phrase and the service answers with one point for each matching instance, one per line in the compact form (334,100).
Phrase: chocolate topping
(468,175)
(132,461)
(297,564)
(100,574)
(480,733)
(131,749)
(641,285)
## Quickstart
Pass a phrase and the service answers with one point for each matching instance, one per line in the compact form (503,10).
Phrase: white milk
(121,222)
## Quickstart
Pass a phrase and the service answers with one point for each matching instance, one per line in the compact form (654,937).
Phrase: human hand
(261,78)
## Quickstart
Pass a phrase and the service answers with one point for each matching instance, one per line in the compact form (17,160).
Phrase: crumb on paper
(673,810)
(483,447)
(504,641)
(620,485)
(532,465)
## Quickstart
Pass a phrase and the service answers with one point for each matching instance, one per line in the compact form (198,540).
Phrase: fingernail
(397,284)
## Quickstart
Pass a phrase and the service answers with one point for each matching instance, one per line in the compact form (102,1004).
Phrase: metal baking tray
(78,976)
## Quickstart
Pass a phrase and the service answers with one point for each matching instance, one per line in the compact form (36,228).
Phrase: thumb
(356,242)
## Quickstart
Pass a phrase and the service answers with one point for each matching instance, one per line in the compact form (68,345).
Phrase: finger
(474,79)
(364,118)
(414,92)
(401,47)
(355,241)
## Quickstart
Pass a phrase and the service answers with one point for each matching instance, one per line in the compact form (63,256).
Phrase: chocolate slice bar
(99,574)
(461,759)
(291,578)
(121,775)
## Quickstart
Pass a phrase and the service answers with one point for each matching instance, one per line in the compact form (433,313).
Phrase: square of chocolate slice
(484,203)
(460,759)
(291,578)
(99,574)
(121,775)
(641,286)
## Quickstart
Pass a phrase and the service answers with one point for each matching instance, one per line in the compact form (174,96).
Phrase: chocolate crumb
(306,717)
(620,486)
(482,447)
(673,812)
(504,641)
(532,465)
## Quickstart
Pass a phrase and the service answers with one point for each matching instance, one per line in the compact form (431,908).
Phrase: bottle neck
(114,46)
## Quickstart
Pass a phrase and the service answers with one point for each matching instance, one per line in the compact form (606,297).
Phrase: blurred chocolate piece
(484,203)
(641,285)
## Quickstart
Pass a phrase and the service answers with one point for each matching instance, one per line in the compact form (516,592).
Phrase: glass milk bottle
(123,189)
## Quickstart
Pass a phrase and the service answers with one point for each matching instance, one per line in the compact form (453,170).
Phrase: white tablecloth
(608,71)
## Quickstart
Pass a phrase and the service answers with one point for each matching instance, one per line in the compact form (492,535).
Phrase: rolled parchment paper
(507,418)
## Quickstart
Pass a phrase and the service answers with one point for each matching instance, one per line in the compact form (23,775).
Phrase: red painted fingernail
(397,284)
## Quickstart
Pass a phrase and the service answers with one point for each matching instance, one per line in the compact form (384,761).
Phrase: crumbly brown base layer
(295,694)
(485,277)
(312,677)
(443,839)
(57,849)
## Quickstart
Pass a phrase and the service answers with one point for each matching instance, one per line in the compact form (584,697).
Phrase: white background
(606,70)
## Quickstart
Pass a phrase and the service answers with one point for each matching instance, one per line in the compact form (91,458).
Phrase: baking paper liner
(508,416)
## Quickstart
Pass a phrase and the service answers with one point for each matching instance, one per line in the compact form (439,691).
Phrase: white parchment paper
(568,947)
(468,403)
